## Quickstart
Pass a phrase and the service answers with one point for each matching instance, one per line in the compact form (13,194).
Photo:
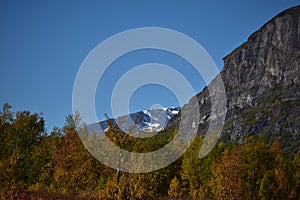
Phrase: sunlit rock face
(262,81)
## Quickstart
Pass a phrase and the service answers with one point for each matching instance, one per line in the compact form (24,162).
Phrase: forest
(37,164)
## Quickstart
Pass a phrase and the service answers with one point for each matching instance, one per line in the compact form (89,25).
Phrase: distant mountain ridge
(147,121)
(262,81)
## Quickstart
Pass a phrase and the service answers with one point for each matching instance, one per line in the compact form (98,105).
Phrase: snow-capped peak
(146,121)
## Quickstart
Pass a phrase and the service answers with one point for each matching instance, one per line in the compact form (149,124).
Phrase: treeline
(34,162)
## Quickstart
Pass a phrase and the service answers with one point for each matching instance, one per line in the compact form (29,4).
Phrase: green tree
(43,158)
(257,160)
(195,171)
(296,176)
(20,133)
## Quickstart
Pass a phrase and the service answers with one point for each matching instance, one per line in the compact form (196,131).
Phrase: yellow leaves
(227,182)
(111,189)
(14,159)
(176,189)
(60,163)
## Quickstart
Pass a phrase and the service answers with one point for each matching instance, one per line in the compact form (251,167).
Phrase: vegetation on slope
(35,164)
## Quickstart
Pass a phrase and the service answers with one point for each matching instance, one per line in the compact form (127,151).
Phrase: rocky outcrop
(262,81)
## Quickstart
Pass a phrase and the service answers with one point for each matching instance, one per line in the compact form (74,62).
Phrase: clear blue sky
(43,43)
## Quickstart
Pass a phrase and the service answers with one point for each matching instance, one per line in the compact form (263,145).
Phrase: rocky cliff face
(262,81)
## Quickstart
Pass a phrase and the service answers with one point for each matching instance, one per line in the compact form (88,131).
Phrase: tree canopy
(57,165)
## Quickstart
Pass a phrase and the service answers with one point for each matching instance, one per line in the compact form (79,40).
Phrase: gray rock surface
(262,81)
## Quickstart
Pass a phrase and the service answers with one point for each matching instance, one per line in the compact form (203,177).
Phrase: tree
(226,180)
(195,171)
(257,160)
(20,133)
(296,176)
(75,170)
(6,116)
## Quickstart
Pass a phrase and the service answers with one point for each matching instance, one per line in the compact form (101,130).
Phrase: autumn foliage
(36,164)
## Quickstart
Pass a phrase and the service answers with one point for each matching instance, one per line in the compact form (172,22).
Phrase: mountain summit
(141,124)
(262,81)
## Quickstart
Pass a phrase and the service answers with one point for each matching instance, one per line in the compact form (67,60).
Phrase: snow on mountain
(146,121)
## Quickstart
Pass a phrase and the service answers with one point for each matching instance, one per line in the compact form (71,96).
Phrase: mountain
(146,121)
(262,81)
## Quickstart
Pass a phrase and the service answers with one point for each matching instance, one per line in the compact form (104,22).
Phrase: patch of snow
(175,112)
(164,109)
(146,112)
(155,125)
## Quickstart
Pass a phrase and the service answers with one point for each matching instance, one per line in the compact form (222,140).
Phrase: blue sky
(43,44)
